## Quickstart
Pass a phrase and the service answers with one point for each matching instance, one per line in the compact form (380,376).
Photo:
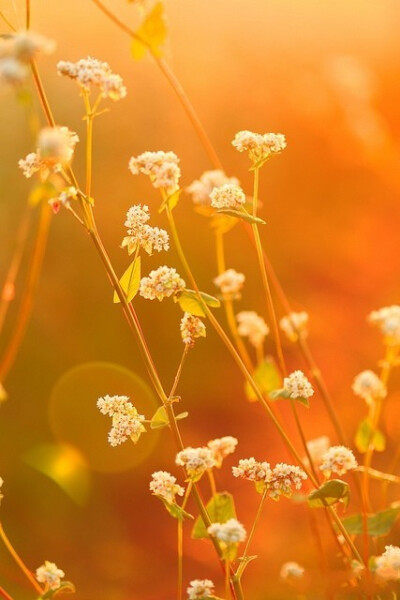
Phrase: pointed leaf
(42,192)
(130,281)
(381,523)
(159,419)
(189,302)
(153,32)
(244,216)
(267,377)
(171,201)
(365,436)
(329,493)
(220,508)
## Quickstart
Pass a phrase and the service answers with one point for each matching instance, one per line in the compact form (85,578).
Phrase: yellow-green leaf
(329,493)
(160,419)
(189,302)
(365,436)
(42,192)
(153,32)
(130,281)
(267,378)
(380,523)
(244,216)
(171,201)
(220,508)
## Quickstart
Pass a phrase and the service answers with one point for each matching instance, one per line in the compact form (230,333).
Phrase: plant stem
(179,371)
(5,594)
(211,479)
(180,559)
(255,523)
(10,25)
(227,579)
(28,14)
(28,574)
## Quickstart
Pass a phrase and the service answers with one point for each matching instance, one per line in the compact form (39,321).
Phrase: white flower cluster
(318,447)
(230,282)
(164,484)
(200,189)
(196,461)
(368,386)
(90,72)
(191,328)
(387,565)
(126,421)
(297,385)
(221,448)
(259,146)
(228,195)
(291,571)
(140,234)
(162,168)
(284,480)
(50,575)
(388,320)
(161,283)
(199,589)
(16,51)
(294,325)
(55,148)
(338,459)
(253,470)
(230,532)
(253,326)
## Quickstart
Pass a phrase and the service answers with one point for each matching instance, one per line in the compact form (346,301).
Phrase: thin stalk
(5,594)
(179,371)
(211,479)
(42,95)
(10,25)
(227,578)
(28,574)
(255,523)
(180,560)
(28,14)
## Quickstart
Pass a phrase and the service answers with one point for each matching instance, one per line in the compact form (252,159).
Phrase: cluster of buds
(50,575)
(339,460)
(92,73)
(164,485)
(141,234)
(161,283)
(294,325)
(16,52)
(126,421)
(196,461)
(230,282)
(162,168)
(259,147)
(282,480)
(252,326)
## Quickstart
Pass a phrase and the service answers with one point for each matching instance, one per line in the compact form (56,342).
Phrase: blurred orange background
(326,75)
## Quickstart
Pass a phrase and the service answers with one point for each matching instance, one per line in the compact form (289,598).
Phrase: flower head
(259,147)
(56,147)
(231,532)
(16,50)
(294,325)
(318,447)
(291,571)
(162,168)
(196,461)
(199,589)
(140,234)
(297,385)
(164,484)
(191,328)
(388,321)
(12,71)
(50,575)
(126,421)
(368,386)
(161,283)
(221,448)
(228,195)
(387,565)
(253,326)
(284,480)
(90,72)
(338,459)
(230,282)
(200,189)
(253,470)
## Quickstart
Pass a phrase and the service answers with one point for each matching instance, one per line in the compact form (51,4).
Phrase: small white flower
(228,195)
(141,234)
(199,589)
(162,168)
(253,470)
(12,71)
(56,147)
(50,575)
(200,189)
(294,325)
(90,72)
(222,447)
(231,532)
(253,326)
(318,447)
(259,147)
(338,459)
(368,386)
(230,282)
(388,564)
(388,320)
(191,328)
(161,283)
(164,484)
(291,571)
(284,480)
(126,421)
(297,385)
(196,461)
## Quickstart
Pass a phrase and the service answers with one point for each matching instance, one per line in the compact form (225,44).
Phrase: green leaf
(42,192)
(380,523)
(282,393)
(159,419)
(329,493)
(66,587)
(220,509)
(153,32)
(366,436)
(181,416)
(238,214)
(267,378)
(176,511)
(189,302)
(171,201)
(244,561)
(130,281)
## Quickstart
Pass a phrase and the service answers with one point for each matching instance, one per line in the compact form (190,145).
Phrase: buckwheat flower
(90,72)
(253,326)
(140,234)
(221,448)
(161,283)
(200,189)
(368,386)
(387,565)
(191,328)
(294,325)
(297,385)
(30,165)
(338,459)
(230,282)
(388,321)
(196,461)
(164,484)
(253,470)
(64,199)
(291,571)
(50,575)
(228,195)
(259,147)
(56,147)
(199,589)
(284,480)
(162,168)
(26,44)
(318,447)
(126,421)
(231,532)
(12,71)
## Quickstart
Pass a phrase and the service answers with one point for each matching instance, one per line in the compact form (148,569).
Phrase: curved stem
(28,574)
